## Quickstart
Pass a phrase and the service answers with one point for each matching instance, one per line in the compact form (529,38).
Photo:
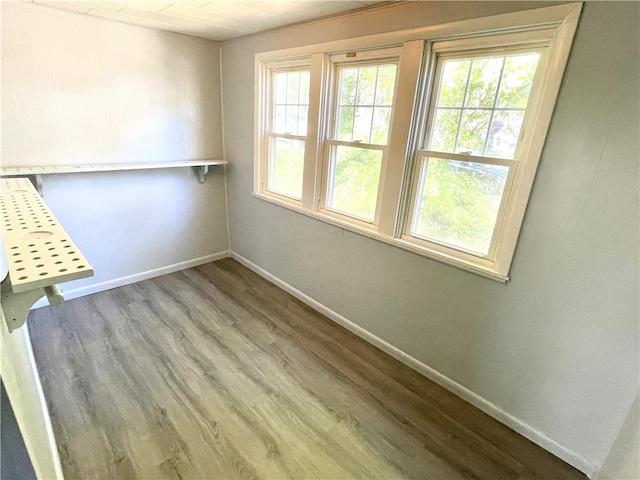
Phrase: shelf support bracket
(201,172)
(16,306)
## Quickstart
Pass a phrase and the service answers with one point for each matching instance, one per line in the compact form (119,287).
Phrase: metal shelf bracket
(201,172)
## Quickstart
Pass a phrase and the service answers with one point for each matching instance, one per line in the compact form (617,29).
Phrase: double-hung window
(466,169)
(356,148)
(288,92)
(426,139)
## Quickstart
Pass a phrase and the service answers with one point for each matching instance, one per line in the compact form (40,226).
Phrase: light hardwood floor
(214,373)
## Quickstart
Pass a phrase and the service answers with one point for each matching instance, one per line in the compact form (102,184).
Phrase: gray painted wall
(83,90)
(14,461)
(557,346)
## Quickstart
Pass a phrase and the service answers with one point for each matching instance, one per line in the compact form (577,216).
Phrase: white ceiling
(213,19)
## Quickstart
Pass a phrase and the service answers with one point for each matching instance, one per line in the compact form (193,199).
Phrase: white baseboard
(138,277)
(474,399)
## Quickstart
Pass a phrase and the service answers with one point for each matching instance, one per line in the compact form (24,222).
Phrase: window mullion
(493,109)
(373,106)
(393,168)
(315,131)
(462,108)
(355,106)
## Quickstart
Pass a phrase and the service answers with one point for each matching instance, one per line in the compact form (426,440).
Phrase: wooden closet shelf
(104,167)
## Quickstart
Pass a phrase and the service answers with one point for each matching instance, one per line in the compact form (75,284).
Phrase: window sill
(396,242)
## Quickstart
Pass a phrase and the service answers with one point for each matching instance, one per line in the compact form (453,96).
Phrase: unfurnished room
(300,239)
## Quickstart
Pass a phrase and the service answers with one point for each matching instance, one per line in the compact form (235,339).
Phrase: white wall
(556,348)
(81,90)
(78,89)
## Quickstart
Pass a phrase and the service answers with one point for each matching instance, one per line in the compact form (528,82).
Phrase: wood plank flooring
(214,373)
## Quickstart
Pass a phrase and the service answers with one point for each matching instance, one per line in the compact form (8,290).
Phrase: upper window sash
(485,95)
(289,101)
(356,98)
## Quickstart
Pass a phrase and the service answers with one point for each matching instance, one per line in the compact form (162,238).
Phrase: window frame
(279,66)
(515,185)
(550,27)
(388,55)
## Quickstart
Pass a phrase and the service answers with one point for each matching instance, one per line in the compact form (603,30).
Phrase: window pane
(445,129)
(453,83)
(362,124)
(381,120)
(474,127)
(366,85)
(345,123)
(291,102)
(483,82)
(280,80)
(481,103)
(353,186)
(285,167)
(293,88)
(292,120)
(303,116)
(365,97)
(504,132)
(517,80)
(348,85)
(280,123)
(304,88)
(386,82)
(459,202)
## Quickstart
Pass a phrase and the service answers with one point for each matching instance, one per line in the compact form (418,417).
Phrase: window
(429,145)
(287,130)
(475,123)
(356,149)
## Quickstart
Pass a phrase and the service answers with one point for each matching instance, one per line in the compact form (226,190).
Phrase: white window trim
(261,172)
(554,25)
(379,56)
(517,185)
